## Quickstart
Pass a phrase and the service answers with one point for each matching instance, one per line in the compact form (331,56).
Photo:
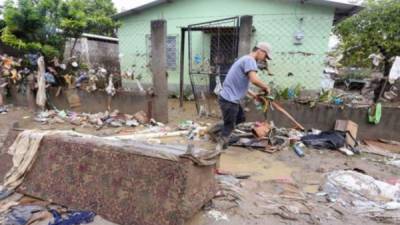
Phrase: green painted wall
(275,21)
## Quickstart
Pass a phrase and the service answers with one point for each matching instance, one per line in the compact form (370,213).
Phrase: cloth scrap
(20,215)
(201,157)
(24,151)
(72,218)
(395,71)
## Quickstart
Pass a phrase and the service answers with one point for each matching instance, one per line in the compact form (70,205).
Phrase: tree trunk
(73,47)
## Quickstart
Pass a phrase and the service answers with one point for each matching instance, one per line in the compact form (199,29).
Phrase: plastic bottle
(298,150)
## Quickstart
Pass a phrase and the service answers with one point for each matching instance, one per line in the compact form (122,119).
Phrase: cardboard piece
(347,125)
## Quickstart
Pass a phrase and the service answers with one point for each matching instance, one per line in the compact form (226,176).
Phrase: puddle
(312,189)
(260,165)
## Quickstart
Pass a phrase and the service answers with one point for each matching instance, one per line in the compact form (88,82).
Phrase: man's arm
(251,94)
(254,79)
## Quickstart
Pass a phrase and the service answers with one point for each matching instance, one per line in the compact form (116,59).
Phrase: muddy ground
(279,182)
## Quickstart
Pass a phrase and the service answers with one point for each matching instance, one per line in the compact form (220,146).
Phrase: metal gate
(213,48)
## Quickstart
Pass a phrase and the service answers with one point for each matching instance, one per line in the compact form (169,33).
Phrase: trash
(132,123)
(362,192)
(72,218)
(298,150)
(346,151)
(62,114)
(395,71)
(141,116)
(351,127)
(325,140)
(116,124)
(49,78)
(3,110)
(20,215)
(261,130)
(389,142)
(394,163)
(153,141)
(74,64)
(373,149)
(375,113)
(217,215)
(110,89)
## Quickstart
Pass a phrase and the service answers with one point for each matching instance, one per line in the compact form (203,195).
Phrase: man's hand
(252,94)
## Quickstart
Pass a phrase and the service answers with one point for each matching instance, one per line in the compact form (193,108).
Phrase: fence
(299,46)
(135,54)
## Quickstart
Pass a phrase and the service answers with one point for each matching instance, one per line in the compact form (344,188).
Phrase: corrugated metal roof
(343,9)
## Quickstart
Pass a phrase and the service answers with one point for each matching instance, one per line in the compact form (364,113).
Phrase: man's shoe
(221,145)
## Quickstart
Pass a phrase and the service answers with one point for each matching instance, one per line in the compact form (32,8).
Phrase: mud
(277,181)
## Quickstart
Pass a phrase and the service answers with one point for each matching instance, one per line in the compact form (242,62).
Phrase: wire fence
(300,44)
(135,54)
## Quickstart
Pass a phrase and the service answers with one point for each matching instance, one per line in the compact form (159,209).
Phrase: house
(95,51)
(299,31)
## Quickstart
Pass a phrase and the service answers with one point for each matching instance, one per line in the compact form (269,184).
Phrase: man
(236,86)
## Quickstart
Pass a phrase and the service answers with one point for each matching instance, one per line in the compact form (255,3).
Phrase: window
(171,51)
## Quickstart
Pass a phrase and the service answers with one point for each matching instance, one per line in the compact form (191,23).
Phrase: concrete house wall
(275,21)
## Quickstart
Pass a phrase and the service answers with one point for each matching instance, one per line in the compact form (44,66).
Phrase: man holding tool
(236,86)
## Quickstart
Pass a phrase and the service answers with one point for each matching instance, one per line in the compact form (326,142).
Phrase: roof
(100,37)
(140,8)
(342,9)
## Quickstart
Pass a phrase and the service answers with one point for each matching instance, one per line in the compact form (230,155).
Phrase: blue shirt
(237,81)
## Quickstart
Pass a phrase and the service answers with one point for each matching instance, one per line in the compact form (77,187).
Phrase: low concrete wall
(323,117)
(125,102)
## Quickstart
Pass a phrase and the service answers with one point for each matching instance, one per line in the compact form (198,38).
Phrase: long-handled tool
(270,103)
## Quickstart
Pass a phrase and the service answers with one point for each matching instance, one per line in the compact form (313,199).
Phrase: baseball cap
(266,47)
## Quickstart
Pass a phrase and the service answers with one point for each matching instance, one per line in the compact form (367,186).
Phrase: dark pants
(232,114)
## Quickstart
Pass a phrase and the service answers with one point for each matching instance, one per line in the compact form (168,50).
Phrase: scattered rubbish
(346,151)
(351,127)
(325,140)
(72,218)
(132,123)
(389,142)
(395,71)
(394,163)
(362,192)
(261,130)
(153,141)
(20,215)
(375,114)
(217,215)
(141,117)
(298,150)
(98,120)
(3,110)
(373,149)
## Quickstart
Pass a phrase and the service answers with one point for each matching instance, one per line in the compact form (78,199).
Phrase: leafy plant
(373,30)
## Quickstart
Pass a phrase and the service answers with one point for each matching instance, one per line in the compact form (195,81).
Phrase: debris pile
(97,120)
(20,210)
(23,73)
(363,194)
